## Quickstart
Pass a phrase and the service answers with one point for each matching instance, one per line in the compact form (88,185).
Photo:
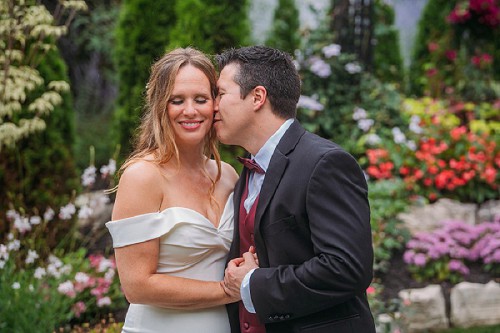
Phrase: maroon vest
(249,323)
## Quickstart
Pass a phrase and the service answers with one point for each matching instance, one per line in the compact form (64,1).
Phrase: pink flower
(103,301)
(370,290)
(432,46)
(78,308)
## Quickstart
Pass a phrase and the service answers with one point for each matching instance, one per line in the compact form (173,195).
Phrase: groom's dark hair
(267,67)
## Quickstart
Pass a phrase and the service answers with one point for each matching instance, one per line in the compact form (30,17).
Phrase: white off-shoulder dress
(191,247)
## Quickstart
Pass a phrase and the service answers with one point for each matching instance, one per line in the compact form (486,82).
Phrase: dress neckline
(230,197)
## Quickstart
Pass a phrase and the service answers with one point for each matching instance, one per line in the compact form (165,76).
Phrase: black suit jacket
(313,240)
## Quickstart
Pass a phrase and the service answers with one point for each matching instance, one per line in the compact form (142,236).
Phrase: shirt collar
(263,156)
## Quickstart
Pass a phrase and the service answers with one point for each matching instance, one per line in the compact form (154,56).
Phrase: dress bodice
(191,247)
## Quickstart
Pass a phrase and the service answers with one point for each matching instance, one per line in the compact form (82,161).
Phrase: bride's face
(190,107)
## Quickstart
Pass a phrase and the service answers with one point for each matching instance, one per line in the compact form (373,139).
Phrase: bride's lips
(190,124)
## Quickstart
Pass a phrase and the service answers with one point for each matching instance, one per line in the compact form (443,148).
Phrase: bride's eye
(176,101)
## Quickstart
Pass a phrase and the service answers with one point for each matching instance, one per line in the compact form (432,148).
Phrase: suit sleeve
(339,221)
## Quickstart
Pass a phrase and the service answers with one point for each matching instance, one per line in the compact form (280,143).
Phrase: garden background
(423,120)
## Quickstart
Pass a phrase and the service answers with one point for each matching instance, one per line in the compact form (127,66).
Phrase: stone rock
(489,211)
(423,309)
(429,217)
(475,304)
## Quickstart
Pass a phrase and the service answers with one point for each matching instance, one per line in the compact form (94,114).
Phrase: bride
(172,221)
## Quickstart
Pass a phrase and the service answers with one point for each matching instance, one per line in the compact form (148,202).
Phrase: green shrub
(142,34)
(387,53)
(285,34)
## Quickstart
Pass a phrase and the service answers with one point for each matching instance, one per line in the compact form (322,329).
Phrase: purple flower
(319,67)
(420,259)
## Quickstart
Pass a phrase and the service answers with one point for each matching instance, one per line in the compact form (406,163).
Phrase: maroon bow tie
(251,165)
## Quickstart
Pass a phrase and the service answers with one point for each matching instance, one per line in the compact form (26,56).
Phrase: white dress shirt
(255,181)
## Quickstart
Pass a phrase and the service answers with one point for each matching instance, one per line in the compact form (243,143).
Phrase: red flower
(451,55)
(431,72)
(432,46)
(457,132)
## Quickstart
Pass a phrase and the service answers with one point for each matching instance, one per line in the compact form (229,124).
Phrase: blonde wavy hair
(155,136)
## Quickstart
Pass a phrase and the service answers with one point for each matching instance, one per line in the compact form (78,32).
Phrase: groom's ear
(259,95)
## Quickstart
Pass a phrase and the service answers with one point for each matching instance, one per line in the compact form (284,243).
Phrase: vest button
(246,325)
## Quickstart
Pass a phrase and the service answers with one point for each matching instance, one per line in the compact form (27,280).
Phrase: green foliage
(339,84)
(39,170)
(88,51)
(53,292)
(23,301)
(387,199)
(146,29)
(456,52)
(285,34)
(210,26)
(445,150)
(141,37)
(431,27)
(387,53)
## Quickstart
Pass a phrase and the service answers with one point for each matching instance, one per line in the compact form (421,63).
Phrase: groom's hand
(236,271)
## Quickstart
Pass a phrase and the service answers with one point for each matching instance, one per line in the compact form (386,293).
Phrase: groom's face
(232,113)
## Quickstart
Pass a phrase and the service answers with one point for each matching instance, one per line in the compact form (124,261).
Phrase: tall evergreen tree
(285,34)
(210,25)
(387,52)
(142,34)
(431,27)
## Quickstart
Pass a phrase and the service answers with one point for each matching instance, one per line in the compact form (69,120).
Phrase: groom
(301,202)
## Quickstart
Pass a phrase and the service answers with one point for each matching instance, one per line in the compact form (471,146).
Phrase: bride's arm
(139,193)
(141,284)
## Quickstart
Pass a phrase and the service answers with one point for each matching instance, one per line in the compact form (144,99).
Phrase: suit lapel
(277,167)
(238,193)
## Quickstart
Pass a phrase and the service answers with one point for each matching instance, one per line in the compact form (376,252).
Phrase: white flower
(53,271)
(373,139)
(31,257)
(4,252)
(415,124)
(108,169)
(12,214)
(10,236)
(352,68)
(81,277)
(67,211)
(399,137)
(319,67)
(66,269)
(2,264)
(55,261)
(110,274)
(331,50)
(411,144)
(359,113)
(88,176)
(16,285)
(14,245)
(49,214)
(310,103)
(31,288)
(85,212)
(34,220)
(40,272)
(384,318)
(103,301)
(67,288)
(365,124)
(22,224)
(105,264)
